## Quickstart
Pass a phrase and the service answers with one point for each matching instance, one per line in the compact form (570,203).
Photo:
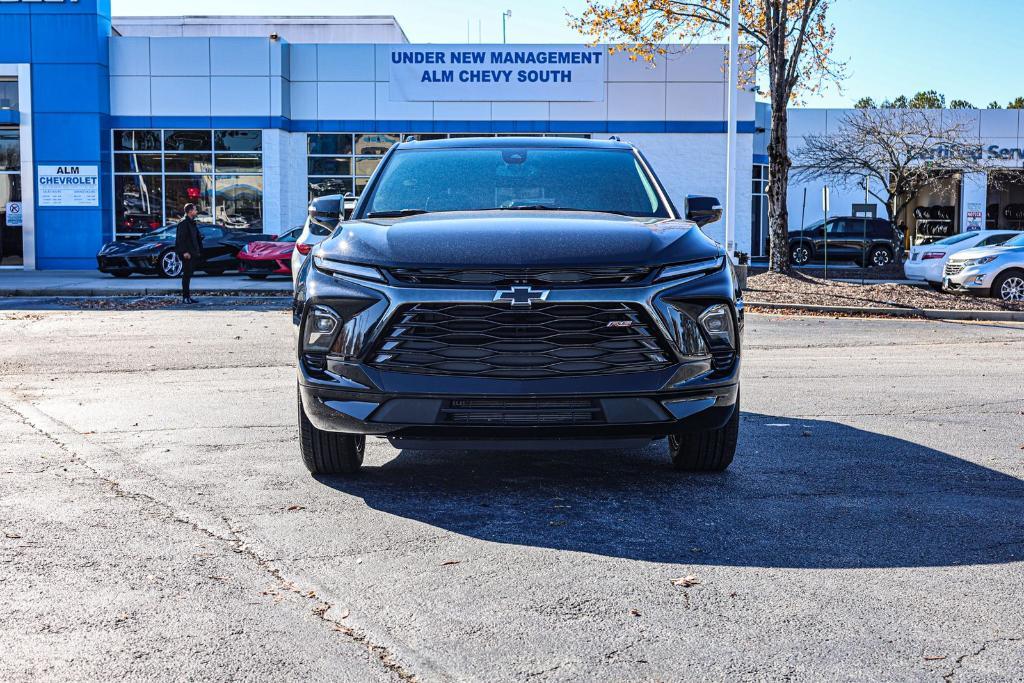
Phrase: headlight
(332,267)
(321,325)
(717,323)
(980,261)
(691,270)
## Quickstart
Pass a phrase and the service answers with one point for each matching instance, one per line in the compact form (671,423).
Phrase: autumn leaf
(686,581)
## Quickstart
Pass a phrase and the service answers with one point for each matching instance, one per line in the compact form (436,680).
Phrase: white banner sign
(13,215)
(506,73)
(69,185)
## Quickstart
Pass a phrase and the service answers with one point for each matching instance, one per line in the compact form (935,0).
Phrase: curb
(50,293)
(931,313)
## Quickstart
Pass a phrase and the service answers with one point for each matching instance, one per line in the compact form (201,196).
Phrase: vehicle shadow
(815,494)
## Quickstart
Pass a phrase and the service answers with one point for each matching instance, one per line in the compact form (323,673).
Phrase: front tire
(1009,286)
(708,451)
(937,286)
(170,264)
(328,452)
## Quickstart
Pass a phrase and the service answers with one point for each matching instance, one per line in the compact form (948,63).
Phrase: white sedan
(927,262)
(990,271)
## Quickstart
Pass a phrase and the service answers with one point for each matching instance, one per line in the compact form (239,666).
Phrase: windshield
(527,178)
(956,238)
(1017,241)
(165,234)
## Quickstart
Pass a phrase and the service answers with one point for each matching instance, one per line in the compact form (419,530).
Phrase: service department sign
(506,73)
(68,185)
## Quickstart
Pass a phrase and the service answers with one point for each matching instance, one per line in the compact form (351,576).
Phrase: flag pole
(730,150)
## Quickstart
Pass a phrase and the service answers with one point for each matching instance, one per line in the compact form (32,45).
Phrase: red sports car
(260,259)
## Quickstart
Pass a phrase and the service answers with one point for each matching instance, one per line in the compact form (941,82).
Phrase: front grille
(493,340)
(547,277)
(522,412)
(722,361)
(952,268)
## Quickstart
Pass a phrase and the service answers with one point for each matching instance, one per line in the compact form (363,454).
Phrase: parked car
(927,263)
(323,216)
(154,253)
(872,241)
(553,297)
(989,271)
(272,257)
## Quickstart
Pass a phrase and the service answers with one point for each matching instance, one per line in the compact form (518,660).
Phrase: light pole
(730,138)
(507,14)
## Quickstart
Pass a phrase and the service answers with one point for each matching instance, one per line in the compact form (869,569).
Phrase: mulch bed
(801,288)
(892,272)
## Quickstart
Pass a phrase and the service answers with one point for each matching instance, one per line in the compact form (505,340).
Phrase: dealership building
(109,126)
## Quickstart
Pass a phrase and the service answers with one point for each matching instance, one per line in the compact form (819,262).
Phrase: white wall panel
(302,62)
(345,62)
(129,96)
(240,96)
(129,56)
(523,111)
(406,111)
(303,100)
(240,56)
(180,96)
(697,102)
(999,123)
(696,63)
(180,56)
(621,68)
(636,101)
(580,111)
(344,100)
(461,111)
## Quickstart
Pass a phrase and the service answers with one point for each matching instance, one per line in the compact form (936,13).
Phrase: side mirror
(703,210)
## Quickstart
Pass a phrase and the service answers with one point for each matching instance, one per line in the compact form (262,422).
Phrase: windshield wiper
(395,214)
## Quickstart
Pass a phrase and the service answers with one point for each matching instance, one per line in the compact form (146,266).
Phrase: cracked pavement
(156,522)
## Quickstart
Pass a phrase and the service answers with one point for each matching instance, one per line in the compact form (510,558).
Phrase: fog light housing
(716,321)
(321,326)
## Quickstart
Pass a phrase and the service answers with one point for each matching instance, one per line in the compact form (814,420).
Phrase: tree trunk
(778,183)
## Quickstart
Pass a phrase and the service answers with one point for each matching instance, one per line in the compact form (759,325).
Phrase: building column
(974,197)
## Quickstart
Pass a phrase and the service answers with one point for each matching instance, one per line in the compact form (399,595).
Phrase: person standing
(187,244)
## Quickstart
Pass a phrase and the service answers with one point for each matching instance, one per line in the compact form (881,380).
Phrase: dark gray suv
(866,241)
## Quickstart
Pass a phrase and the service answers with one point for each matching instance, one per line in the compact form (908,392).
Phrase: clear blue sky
(965,50)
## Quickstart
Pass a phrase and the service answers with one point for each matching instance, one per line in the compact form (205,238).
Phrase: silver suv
(989,271)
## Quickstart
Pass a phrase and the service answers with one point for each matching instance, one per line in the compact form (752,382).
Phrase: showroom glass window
(759,210)
(342,163)
(157,172)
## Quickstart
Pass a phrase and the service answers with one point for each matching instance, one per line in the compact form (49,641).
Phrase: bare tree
(791,40)
(902,151)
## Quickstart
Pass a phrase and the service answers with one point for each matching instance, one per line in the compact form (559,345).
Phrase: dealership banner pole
(730,150)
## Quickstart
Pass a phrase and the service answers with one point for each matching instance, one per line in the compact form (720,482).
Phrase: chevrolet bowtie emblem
(521,297)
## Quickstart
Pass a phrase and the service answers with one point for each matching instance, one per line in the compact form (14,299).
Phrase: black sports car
(154,253)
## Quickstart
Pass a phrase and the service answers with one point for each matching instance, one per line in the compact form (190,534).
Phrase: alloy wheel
(880,258)
(170,264)
(1012,289)
(801,255)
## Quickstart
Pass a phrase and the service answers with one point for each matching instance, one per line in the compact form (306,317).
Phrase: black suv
(871,241)
(513,293)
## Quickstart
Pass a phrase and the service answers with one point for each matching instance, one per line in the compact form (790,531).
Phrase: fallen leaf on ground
(344,615)
(10,535)
(635,612)
(450,562)
(686,581)
(934,658)
(292,508)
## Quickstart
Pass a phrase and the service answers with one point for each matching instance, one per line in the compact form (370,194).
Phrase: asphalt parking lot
(156,522)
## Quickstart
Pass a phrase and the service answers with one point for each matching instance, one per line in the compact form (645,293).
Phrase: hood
(978,252)
(142,244)
(269,249)
(518,238)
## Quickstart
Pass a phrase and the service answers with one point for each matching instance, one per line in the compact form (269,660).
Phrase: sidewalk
(51,283)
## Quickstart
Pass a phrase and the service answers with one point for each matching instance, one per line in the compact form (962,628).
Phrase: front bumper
(344,393)
(110,263)
(976,280)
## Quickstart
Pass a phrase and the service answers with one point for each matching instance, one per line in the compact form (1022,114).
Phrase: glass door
(11,250)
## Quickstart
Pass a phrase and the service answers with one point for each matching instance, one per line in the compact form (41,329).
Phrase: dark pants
(186,277)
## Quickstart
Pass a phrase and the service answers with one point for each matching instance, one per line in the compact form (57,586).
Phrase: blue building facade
(109,126)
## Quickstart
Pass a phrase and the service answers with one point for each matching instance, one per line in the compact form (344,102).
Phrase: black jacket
(187,239)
